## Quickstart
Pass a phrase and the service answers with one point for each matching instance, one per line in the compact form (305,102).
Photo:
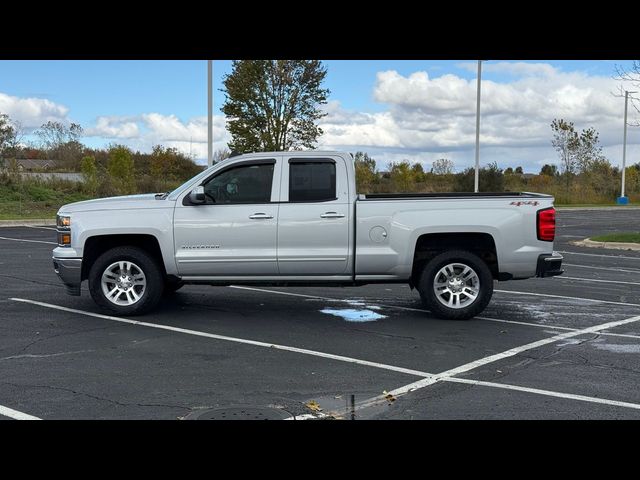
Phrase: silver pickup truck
(294,218)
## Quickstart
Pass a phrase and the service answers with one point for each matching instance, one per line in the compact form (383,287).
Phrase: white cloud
(32,112)
(512,68)
(426,116)
(113,127)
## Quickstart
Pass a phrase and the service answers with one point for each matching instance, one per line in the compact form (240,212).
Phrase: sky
(393,109)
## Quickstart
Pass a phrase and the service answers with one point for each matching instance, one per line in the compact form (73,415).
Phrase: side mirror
(197,196)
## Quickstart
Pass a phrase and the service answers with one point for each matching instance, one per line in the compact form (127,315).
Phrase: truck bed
(400,196)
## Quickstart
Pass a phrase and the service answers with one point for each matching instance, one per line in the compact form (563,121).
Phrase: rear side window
(312,181)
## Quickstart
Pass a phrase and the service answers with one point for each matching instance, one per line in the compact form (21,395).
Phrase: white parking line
(15,414)
(425,382)
(426,378)
(25,240)
(617,282)
(598,255)
(44,228)
(255,343)
(602,268)
(399,307)
(420,310)
(566,297)
(553,327)
(547,393)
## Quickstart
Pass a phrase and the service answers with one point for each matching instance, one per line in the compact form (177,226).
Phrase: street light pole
(209,113)
(623,200)
(477,177)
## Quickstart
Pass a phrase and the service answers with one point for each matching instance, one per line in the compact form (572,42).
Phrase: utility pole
(209,112)
(622,200)
(477,177)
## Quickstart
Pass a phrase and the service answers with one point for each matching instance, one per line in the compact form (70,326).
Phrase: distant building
(35,165)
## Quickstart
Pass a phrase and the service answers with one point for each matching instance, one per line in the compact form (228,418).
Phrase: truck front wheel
(126,280)
(456,285)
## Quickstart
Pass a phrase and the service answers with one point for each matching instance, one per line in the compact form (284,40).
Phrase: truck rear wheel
(126,280)
(456,285)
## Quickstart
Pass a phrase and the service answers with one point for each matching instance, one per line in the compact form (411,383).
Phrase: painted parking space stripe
(410,309)
(43,228)
(28,241)
(548,393)
(15,414)
(255,343)
(514,292)
(425,382)
(598,255)
(420,310)
(426,378)
(626,270)
(599,281)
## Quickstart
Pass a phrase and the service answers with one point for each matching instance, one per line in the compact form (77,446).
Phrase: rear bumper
(549,265)
(70,272)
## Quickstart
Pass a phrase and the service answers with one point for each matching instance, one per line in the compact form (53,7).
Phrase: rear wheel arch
(429,245)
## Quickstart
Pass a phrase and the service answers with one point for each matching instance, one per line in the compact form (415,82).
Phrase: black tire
(153,275)
(428,277)
(172,286)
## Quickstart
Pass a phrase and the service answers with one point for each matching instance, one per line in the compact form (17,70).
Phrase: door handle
(332,215)
(260,216)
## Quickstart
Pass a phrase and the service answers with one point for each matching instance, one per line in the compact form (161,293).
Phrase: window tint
(312,182)
(245,184)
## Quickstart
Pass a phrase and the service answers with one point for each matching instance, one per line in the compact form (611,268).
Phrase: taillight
(546,224)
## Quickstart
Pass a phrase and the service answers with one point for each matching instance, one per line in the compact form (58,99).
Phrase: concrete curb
(27,223)
(587,242)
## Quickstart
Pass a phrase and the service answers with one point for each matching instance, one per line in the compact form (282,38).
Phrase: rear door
(313,222)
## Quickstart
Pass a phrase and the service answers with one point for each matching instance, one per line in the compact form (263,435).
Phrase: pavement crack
(96,397)
(51,284)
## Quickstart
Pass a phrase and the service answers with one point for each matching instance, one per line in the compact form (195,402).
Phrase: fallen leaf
(388,396)
(313,405)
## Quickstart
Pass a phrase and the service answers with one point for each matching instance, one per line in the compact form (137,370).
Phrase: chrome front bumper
(70,272)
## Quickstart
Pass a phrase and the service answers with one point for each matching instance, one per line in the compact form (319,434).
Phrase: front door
(234,233)
(313,224)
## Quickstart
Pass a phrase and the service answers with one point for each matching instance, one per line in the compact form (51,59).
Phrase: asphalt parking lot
(559,348)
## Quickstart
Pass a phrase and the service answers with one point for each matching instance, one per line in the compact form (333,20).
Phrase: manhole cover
(240,413)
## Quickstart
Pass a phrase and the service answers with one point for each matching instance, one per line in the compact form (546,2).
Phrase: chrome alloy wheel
(456,285)
(123,283)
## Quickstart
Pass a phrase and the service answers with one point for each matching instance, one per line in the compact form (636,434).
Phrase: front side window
(242,184)
(312,181)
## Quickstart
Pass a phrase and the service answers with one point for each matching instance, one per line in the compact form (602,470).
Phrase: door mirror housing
(197,196)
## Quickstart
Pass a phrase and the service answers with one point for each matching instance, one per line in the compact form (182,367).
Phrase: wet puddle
(354,314)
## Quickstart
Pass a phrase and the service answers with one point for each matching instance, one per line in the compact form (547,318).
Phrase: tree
(89,174)
(402,176)
(7,135)
(366,174)
(442,166)
(274,105)
(417,172)
(220,155)
(121,170)
(508,171)
(519,171)
(565,141)
(588,150)
(61,142)
(491,179)
(630,78)
(549,170)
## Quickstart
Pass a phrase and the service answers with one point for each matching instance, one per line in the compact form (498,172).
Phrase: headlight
(63,222)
